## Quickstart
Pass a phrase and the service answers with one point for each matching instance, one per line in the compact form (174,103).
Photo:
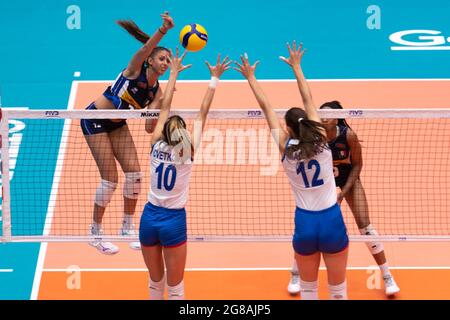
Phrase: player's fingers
(186,67)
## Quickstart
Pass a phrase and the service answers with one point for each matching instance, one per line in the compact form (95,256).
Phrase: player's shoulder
(351,136)
(159,144)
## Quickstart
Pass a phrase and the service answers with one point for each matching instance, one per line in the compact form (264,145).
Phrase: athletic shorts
(166,227)
(322,231)
(343,172)
(94,126)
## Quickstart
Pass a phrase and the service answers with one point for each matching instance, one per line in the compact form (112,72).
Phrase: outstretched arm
(216,72)
(135,64)
(294,60)
(248,71)
(156,104)
(175,68)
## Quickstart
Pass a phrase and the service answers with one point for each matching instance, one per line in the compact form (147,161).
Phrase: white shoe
(390,285)
(102,246)
(129,231)
(294,284)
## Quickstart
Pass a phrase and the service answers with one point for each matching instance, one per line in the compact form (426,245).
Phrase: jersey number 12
(315,180)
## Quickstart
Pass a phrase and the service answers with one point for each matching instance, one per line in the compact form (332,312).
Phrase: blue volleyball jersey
(127,93)
(342,162)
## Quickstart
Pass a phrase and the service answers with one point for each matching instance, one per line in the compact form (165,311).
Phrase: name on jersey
(161,155)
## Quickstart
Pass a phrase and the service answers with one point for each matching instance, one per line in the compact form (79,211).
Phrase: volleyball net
(238,189)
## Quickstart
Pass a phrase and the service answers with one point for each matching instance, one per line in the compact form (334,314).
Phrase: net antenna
(5,174)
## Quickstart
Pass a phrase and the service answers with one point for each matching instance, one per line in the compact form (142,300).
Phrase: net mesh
(238,187)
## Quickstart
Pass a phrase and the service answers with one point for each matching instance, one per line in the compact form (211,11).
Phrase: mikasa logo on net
(420,40)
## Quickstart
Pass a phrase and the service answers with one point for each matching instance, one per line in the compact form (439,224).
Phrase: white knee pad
(132,185)
(104,193)
(374,247)
(338,292)
(176,292)
(157,288)
(309,290)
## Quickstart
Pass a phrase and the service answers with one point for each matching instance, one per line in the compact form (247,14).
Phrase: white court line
(6,270)
(284,80)
(68,270)
(53,194)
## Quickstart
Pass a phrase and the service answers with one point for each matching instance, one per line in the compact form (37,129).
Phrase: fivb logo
(355,113)
(52,114)
(419,40)
(254,113)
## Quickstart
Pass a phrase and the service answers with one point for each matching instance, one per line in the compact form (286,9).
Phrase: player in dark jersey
(109,140)
(347,163)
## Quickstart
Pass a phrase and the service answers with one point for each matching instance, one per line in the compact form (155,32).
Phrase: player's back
(312,180)
(169,177)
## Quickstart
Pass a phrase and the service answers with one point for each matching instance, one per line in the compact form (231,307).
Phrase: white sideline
(372,267)
(53,194)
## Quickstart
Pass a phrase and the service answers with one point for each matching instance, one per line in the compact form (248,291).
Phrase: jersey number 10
(315,180)
(166,177)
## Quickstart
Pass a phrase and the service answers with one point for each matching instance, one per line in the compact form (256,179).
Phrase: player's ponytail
(176,134)
(335,105)
(134,30)
(309,133)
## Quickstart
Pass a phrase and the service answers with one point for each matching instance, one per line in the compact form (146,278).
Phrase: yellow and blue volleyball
(193,37)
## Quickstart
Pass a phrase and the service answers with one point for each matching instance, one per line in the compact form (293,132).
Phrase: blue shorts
(94,126)
(166,227)
(322,231)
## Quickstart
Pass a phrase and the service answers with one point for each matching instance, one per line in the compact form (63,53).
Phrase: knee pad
(104,193)
(132,185)
(374,247)
(157,288)
(176,292)
(309,290)
(338,292)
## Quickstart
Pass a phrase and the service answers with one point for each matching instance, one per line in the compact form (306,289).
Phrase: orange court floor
(245,270)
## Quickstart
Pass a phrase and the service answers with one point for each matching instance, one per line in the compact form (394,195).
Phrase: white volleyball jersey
(169,179)
(312,180)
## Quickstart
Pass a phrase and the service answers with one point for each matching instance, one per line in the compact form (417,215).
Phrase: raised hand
(167,22)
(176,62)
(295,54)
(220,67)
(245,68)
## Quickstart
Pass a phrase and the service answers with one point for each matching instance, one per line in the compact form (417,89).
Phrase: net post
(6,199)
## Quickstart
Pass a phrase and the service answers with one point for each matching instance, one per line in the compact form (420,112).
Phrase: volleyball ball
(193,37)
